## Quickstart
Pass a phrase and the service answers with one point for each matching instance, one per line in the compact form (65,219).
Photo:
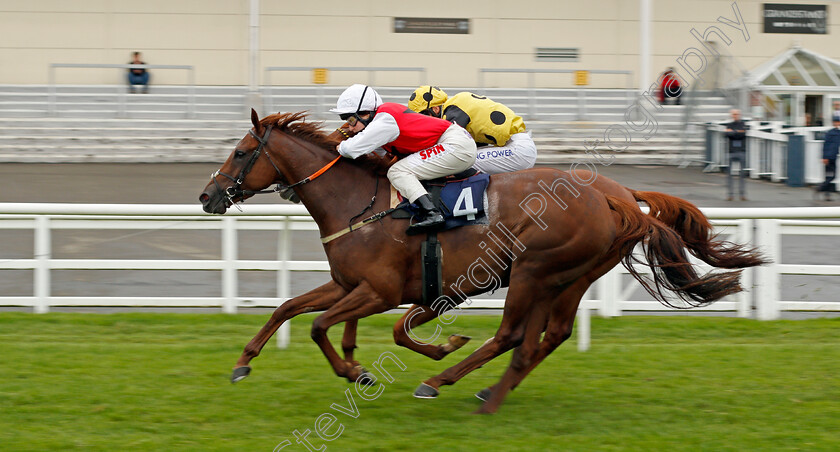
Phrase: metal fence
(268,90)
(612,294)
(630,93)
(768,150)
(122,90)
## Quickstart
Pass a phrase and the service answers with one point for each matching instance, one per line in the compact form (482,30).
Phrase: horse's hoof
(240,373)
(366,378)
(484,394)
(455,342)
(425,391)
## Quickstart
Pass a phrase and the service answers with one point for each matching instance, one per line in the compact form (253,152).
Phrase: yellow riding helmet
(426,97)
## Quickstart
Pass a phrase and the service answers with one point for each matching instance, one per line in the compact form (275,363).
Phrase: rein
(236,190)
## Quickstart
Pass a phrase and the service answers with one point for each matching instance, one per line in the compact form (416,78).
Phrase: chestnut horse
(550,234)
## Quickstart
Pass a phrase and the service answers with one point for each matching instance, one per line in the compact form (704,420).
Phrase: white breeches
(453,153)
(518,153)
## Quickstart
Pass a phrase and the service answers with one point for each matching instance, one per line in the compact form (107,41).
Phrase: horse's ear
(255,120)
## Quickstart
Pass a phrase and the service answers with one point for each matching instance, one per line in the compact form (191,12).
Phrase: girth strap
(432,256)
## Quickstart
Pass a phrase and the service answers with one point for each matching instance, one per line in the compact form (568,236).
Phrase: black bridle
(236,191)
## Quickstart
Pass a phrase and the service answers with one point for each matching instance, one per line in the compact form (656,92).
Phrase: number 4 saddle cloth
(462,201)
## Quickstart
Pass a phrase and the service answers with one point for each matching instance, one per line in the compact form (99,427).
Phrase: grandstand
(103,123)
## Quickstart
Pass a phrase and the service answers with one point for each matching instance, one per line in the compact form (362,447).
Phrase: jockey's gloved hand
(289,193)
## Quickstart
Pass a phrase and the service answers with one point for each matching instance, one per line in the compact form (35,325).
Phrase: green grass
(160,382)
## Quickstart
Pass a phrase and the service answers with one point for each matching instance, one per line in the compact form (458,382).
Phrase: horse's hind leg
(558,329)
(317,299)
(523,355)
(416,316)
(511,332)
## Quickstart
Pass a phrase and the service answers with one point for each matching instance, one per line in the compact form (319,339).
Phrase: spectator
(138,76)
(830,148)
(669,87)
(736,132)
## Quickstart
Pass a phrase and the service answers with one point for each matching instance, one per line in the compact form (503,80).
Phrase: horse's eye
(239,154)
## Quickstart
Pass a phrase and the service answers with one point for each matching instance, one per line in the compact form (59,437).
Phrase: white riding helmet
(350,101)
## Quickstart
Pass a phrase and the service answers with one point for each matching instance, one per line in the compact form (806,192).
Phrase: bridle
(236,191)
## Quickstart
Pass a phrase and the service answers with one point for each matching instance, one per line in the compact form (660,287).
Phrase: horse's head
(247,170)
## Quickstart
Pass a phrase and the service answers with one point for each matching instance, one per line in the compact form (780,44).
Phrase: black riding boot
(431,215)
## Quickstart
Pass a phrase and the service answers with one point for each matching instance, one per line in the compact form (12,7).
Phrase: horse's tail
(696,231)
(664,254)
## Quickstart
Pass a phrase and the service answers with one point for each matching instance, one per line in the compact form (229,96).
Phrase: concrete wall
(213,36)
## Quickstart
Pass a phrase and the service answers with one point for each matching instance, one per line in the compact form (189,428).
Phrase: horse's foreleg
(317,299)
(360,302)
(348,340)
(405,337)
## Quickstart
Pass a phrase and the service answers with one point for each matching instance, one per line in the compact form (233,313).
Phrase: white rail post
(43,254)
(122,92)
(269,92)
(744,234)
(229,273)
(51,109)
(583,329)
(532,95)
(768,282)
(581,97)
(322,109)
(608,291)
(191,93)
(283,280)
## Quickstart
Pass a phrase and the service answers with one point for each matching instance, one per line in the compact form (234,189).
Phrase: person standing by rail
(831,145)
(736,132)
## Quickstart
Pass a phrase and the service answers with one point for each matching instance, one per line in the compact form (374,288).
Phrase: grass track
(160,382)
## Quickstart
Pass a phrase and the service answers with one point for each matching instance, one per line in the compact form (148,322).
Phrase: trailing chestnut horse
(550,234)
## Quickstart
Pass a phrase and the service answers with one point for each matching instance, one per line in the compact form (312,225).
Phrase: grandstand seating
(105,124)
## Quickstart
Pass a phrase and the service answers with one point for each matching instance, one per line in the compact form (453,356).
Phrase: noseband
(236,190)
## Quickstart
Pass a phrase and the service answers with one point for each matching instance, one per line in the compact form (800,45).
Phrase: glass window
(812,66)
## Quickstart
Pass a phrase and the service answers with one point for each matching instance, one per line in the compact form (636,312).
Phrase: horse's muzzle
(213,202)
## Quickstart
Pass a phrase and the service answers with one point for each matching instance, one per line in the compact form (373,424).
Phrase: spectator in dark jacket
(830,149)
(736,132)
(138,76)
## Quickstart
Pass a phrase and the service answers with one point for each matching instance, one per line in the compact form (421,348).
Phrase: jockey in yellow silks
(504,145)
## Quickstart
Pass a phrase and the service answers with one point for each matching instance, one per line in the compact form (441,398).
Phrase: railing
(610,295)
(123,89)
(768,151)
(532,97)
(320,88)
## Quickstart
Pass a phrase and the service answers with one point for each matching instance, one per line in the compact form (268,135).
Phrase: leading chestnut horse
(550,234)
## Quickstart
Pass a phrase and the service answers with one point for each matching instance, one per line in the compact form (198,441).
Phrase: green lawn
(159,382)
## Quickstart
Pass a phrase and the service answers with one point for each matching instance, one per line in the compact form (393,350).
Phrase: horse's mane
(295,124)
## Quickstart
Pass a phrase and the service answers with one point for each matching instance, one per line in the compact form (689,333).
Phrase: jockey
(427,148)
(503,143)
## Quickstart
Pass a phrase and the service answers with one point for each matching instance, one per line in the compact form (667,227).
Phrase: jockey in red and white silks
(427,147)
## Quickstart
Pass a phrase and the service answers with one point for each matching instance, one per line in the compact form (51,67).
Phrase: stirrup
(430,222)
